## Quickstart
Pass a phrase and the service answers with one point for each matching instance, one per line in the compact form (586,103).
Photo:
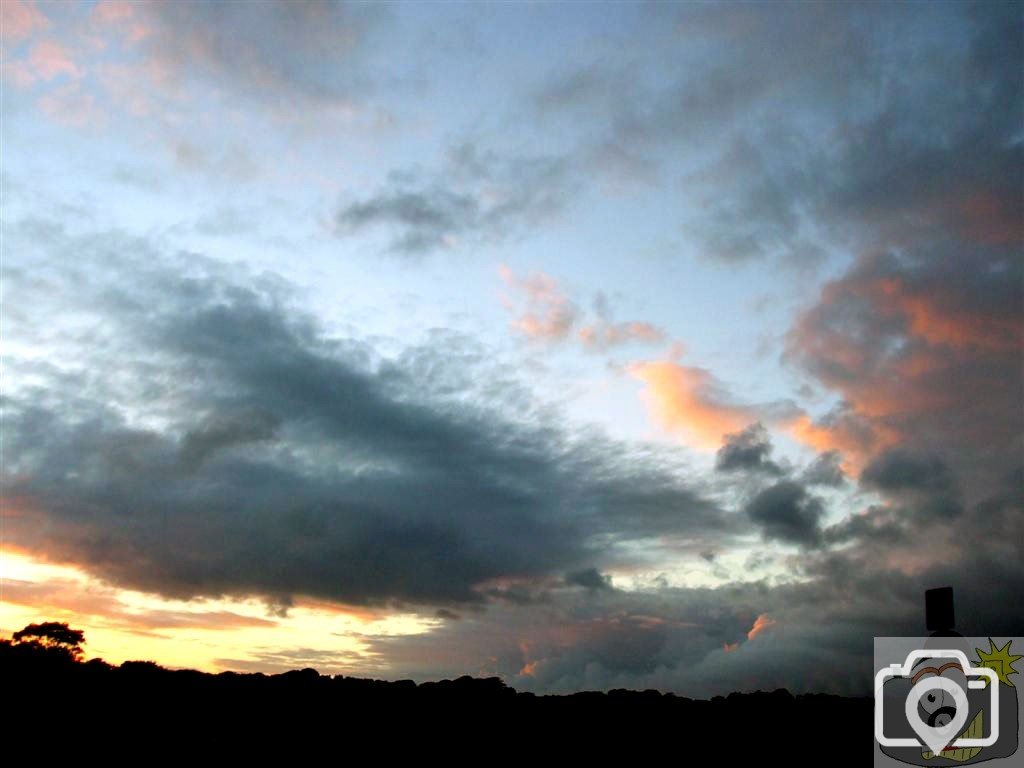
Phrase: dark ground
(93,706)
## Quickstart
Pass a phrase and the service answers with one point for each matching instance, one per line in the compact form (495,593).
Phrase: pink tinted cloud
(19,74)
(49,59)
(123,17)
(542,311)
(601,336)
(20,19)
(69,104)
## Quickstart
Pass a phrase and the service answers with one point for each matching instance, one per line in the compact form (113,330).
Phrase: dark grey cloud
(476,196)
(748,450)
(818,638)
(879,524)
(319,469)
(737,101)
(787,149)
(926,483)
(948,133)
(194,434)
(589,578)
(586,639)
(216,442)
(224,430)
(897,470)
(825,470)
(427,217)
(820,622)
(518,594)
(787,512)
(924,346)
(781,151)
(279,605)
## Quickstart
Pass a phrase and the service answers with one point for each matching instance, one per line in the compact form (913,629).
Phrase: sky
(671,345)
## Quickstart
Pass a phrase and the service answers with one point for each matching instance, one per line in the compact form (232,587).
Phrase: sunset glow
(123,624)
(635,345)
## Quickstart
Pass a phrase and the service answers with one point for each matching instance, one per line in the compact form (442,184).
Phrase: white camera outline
(895,670)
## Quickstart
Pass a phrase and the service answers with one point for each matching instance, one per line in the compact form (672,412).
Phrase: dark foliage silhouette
(151,703)
(52,636)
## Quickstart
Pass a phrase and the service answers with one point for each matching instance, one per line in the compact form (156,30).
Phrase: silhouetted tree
(52,634)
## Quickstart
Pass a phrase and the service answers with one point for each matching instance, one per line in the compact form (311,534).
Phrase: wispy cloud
(543,312)
(475,197)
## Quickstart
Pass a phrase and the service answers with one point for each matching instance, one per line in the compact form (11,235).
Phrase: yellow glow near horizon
(208,634)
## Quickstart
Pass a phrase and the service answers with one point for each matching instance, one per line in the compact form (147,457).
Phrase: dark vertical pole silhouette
(939,616)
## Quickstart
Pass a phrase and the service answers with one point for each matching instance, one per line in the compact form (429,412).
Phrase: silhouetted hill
(149,701)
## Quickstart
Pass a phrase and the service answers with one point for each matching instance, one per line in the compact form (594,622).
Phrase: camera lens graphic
(936,709)
(943,715)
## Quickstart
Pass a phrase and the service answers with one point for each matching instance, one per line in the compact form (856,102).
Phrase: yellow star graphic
(999,660)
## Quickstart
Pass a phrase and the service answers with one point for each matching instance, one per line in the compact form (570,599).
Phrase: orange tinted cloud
(687,401)
(760,625)
(944,327)
(65,597)
(917,351)
(529,669)
(856,438)
(899,312)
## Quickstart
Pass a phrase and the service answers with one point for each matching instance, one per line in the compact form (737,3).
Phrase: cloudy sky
(626,345)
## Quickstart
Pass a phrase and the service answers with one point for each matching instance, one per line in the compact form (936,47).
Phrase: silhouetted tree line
(40,668)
